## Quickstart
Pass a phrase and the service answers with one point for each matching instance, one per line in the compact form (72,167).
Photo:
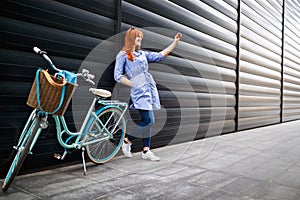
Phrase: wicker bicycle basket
(50,95)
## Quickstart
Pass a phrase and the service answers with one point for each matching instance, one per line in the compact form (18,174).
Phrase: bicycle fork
(29,126)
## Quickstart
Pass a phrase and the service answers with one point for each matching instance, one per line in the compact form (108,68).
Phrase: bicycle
(101,134)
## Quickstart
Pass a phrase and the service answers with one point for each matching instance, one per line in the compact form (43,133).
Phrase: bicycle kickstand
(83,161)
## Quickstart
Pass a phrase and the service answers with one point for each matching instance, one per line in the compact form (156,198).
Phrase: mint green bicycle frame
(106,128)
(82,134)
(91,115)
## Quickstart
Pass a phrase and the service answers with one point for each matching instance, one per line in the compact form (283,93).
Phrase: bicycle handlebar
(44,55)
(85,73)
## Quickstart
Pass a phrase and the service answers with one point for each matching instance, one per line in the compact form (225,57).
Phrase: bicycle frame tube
(103,127)
(109,104)
(118,105)
(35,138)
(91,115)
(60,120)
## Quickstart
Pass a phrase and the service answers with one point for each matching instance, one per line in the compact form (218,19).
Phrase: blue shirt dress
(144,94)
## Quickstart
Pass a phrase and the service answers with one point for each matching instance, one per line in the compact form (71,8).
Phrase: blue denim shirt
(144,94)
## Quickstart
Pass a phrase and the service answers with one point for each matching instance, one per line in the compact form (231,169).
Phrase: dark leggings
(144,128)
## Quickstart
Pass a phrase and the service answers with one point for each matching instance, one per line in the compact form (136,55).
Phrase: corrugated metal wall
(205,71)
(68,31)
(226,74)
(260,63)
(291,84)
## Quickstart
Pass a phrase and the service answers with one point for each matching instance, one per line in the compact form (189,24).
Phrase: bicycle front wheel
(21,154)
(109,129)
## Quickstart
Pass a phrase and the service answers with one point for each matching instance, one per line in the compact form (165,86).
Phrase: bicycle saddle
(100,92)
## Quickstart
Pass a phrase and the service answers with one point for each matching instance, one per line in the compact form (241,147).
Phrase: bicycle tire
(105,150)
(21,154)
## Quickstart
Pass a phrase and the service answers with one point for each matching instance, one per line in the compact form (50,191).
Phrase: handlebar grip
(36,50)
(91,76)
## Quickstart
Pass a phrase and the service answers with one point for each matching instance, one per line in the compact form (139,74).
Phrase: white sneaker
(126,148)
(149,155)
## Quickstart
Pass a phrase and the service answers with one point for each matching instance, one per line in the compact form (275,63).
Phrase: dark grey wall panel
(68,30)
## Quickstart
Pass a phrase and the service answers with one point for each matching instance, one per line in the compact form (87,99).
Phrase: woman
(144,95)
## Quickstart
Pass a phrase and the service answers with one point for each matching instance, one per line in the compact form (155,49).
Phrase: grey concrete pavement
(262,163)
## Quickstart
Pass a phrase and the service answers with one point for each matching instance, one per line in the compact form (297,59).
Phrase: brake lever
(87,76)
(92,82)
(90,76)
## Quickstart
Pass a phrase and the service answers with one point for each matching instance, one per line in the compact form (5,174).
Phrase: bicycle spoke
(107,144)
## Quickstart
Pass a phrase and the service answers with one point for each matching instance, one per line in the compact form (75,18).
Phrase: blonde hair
(129,44)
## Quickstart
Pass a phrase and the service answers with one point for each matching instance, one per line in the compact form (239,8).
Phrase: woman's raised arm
(172,46)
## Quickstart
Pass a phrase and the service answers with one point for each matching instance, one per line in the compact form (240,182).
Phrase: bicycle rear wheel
(110,143)
(21,154)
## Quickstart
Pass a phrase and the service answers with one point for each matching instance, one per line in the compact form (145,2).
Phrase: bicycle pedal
(57,156)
